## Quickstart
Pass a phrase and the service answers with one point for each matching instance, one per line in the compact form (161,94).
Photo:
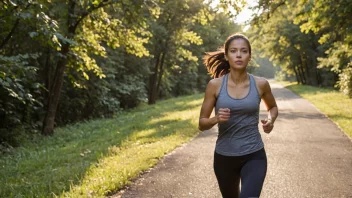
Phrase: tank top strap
(223,84)
(253,85)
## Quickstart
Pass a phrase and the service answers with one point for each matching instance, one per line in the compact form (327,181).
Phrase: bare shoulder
(215,81)
(214,85)
(261,81)
(262,84)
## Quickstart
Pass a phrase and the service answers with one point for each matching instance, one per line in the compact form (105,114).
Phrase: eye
(232,51)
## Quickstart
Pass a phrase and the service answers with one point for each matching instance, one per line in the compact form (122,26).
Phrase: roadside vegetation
(98,157)
(334,104)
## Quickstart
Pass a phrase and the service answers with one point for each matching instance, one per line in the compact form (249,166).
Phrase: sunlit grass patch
(100,156)
(337,106)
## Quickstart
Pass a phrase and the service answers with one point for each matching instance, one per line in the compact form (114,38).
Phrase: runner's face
(238,54)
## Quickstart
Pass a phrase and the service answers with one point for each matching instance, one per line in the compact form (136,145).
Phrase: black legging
(249,169)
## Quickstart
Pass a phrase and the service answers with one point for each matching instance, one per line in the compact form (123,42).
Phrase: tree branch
(3,43)
(89,11)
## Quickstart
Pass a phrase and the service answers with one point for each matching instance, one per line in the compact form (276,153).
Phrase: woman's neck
(238,77)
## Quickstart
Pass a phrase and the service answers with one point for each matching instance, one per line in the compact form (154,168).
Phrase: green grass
(337,106)
(98,157)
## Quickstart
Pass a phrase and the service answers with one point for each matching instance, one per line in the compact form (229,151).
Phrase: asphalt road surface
(308,156)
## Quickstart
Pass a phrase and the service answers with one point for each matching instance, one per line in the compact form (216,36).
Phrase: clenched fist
(223,115)
(267,125)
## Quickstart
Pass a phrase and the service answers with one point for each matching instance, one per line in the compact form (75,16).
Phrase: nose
(238,54)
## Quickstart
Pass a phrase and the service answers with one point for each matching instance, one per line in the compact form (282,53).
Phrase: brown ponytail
(216,63)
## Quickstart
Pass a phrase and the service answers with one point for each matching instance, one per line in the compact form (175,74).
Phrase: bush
(19,95)
(345,82)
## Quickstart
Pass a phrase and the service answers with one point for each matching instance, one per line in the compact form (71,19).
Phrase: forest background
(65,61)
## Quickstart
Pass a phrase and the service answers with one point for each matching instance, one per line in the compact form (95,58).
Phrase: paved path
(308,156)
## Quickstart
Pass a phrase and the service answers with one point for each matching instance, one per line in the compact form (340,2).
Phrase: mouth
(239,62)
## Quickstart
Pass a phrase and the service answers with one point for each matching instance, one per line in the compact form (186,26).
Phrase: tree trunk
(301,69)
(302,75)
(58,78)
(305,69)
(161,71)
(73,21)
(54,93)
(316,73)
(310,73)
(46,74)
(315,63)
(298,78)
(153,81)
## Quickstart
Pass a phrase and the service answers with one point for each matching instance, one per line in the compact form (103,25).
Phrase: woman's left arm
(270,103)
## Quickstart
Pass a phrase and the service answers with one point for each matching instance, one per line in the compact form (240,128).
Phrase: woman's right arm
(205,122)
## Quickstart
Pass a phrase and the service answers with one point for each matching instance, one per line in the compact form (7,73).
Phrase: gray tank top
(240,134)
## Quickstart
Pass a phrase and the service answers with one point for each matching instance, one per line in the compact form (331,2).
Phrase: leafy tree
(282,40)
(62,61)
(80,32)
(24,24)
(181,42)
(171,34)
(326,20)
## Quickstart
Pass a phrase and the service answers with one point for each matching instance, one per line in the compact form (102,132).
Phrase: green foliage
(278,34)
(324,31)
(345,82)
(335,33)
(20,92)
(126,77)
(112,49)
(190,75)
(172,44)
(338,57)
(27,33)
(101,156)
(280,40)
